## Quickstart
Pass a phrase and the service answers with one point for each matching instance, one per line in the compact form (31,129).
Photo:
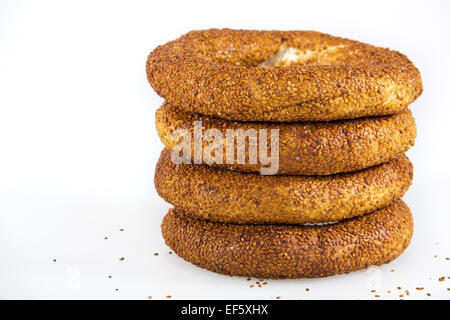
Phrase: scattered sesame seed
(122,258)
(278,298)
(168,297)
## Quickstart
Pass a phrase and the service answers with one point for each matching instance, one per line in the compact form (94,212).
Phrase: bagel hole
(281,53)
(288,56)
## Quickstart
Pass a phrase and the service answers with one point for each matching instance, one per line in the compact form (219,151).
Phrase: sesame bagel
(305,148)
(233,197)
(281,76)
(290,251)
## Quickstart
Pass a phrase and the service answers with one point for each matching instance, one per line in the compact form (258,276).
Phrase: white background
(78,147)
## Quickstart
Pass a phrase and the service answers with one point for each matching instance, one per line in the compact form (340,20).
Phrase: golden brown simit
(290,251)
(306,148)
(281,76)
(227,196)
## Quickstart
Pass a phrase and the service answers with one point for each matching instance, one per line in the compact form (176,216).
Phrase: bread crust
(233,197)
(290,251)
(217,72)
(305,148)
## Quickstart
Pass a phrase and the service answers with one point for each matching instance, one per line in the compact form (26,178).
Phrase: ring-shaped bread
(290,251)
(234,197)
(281,76)
(305,148)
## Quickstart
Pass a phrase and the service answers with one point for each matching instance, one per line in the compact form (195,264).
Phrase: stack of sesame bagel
(339,111)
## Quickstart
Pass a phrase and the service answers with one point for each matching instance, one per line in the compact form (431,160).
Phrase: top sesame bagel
(281,76)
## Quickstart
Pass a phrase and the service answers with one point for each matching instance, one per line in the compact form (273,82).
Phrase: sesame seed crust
(217,72)
(233,197)
(290,251)
(306,148)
